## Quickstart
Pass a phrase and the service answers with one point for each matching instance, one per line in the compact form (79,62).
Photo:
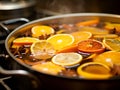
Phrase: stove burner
(5,86)
(6,27)
(6,62)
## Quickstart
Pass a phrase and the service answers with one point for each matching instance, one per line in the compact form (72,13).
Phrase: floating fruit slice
(94,70)
(60,41)
(112,44)
(71,48)
(25,40)
(94,30)
(109,58)
(91,56)
(48,68)
(88,22)
(60,31)
(41,30)
(91,46)
(81,35)
(42,50)
(111,26)
(105,36)
(67,59)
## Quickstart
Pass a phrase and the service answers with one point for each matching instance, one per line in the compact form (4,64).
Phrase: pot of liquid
(71,51)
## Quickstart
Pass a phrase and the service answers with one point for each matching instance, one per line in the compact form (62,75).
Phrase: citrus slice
(94,30)
(112,44)
(71,48)
(42,50)
(91,56)
(109,58)
(105,36)
(111,26)
(91,46)
(48,67)
(67,59)
(60,41)
(81,35)
(94,70)
(41,30)
(25,40)
(88,22)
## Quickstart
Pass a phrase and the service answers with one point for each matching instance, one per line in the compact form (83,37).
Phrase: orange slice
(94,30)
(91,46)
(91,56)
(109,58)
(71,48)
(67,59)
(111,26)
(41,30)
(48,68)
(25,41)
(101,36)
(42,50)
(88,22)
(81,35)
(60,41)
(94,70)
(112,44)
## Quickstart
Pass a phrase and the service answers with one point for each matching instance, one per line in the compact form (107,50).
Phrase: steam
(65,6)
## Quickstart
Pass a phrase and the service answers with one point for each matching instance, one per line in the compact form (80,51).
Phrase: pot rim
(55,17)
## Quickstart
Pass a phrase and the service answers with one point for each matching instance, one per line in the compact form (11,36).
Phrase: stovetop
(9,82)
(13,82)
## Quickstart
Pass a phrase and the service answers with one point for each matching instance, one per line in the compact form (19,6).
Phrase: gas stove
(8,82)
(44,8)
(6,26)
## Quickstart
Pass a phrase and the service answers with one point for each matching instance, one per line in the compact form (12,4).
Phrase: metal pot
(16,8)
(60,82)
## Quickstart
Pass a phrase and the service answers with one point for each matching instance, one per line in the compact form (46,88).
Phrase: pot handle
(35,81)
(5,27)
(11,21)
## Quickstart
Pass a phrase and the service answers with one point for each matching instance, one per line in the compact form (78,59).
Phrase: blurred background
(73,6)
(42,8)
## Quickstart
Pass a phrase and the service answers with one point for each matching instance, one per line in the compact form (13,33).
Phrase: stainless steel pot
(60,82)
(16,8)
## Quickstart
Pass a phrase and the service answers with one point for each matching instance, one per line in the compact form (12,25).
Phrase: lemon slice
(41,30)
(42,50)
(60,41)
(112,44)
(94,70)
(67,59)
(25,40)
